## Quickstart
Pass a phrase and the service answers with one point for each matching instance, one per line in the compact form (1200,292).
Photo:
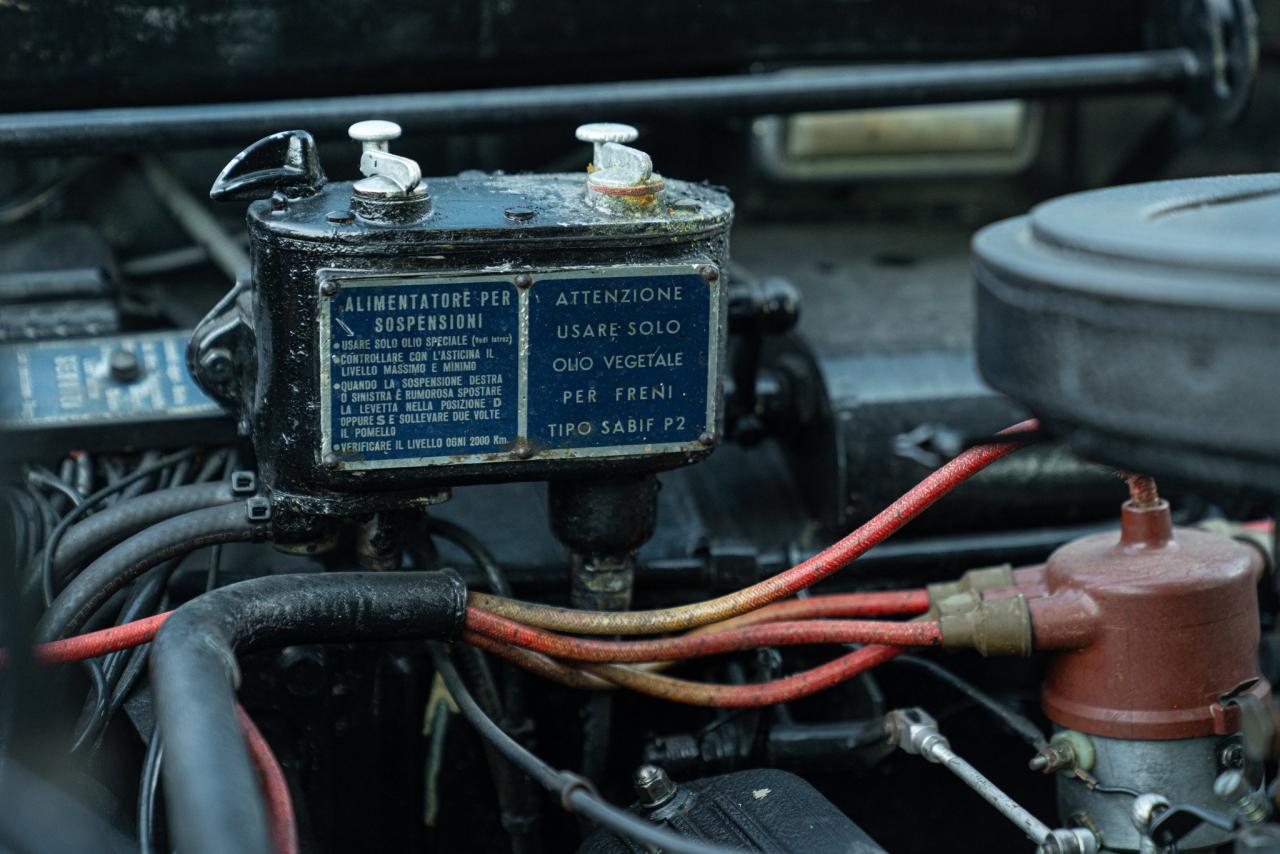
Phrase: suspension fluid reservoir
(399,335)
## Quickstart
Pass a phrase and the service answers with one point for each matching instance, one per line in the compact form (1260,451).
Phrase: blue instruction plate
(67,382)
(451,370)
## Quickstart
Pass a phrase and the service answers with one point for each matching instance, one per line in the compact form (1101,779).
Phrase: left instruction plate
(418,370)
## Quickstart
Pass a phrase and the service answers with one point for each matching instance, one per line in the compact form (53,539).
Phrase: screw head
(329,460)
(524,280)
(653,786)
(598,132)
(374,130)
(707,439)
(1232,756)
(708,272)
(522,450)
(330,288)
(1231,785)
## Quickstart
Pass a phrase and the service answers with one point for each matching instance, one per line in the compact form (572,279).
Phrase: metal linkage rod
(915,732)
(164,127)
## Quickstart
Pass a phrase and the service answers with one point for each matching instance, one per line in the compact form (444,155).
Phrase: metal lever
(620,165)
(284,162)
(401,171)
(386,173)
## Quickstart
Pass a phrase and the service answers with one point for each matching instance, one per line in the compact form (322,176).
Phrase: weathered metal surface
(93,393)
(538,287)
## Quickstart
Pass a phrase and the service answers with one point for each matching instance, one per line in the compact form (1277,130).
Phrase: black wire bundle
(575,793)
(59,531)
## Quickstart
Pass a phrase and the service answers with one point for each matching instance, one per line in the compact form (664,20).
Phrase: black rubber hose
(210,788)
(99,532)
(169,539)
(118,488)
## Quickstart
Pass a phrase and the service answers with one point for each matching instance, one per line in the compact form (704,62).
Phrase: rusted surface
(1142,489)
(785,633)
(1150,628)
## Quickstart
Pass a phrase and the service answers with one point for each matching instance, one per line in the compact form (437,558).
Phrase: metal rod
(195,219)
(151,128)
(914,731)
(992,794)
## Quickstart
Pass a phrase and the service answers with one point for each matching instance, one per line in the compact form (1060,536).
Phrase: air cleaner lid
(1143,323)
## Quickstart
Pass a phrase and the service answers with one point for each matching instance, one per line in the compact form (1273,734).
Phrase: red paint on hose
(784,690)
(701,644)
(891,603)
(780,586)
(97,643)
(598,676)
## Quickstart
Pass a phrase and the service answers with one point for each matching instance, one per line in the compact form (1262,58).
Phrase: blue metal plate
(433,370)
(60,383)
(620,359)
(419,371)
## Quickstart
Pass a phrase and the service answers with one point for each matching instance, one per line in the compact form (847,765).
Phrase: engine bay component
(101,393)
(762,810)
(1139,322)
(1115,614)
(393,341)
(916,732)
(375,508)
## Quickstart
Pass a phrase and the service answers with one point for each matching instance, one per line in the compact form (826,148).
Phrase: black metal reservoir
(393,341)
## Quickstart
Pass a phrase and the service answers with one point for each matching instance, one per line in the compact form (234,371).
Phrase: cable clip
(243,483)
(258,509)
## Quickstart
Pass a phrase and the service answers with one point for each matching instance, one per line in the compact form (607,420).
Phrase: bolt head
(374,130)
(711,274)
(340,217)
(1232,756)
(597,132)
(330,289)
(216,364)
(524,280)
(707,439)
(329,461)
(653,786)
(522,450)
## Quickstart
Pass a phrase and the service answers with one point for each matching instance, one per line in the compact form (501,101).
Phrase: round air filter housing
(1142,324)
